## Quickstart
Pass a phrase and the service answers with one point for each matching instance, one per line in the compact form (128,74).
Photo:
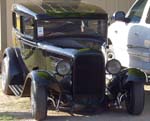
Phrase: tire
(38,101)
(5,76)
(135,98)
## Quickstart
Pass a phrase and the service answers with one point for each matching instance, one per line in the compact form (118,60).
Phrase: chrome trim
(28,42)
(19,7)
(140,52)
(57,50)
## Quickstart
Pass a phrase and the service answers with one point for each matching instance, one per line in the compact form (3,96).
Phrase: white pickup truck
(130,36)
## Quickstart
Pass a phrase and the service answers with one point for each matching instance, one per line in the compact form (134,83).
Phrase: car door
(127,34)
(147,27)
(135,28)
(33,56)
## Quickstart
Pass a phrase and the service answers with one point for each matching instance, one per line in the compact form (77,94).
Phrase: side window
(28,26)
(148,17)
(17,21)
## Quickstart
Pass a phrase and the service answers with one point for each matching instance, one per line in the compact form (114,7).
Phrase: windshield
(70,27)
(136,12)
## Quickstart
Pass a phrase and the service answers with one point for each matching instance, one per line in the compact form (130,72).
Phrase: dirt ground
(19,109)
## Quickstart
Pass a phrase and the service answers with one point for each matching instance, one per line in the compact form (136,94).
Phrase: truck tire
(38,101)
(135,98)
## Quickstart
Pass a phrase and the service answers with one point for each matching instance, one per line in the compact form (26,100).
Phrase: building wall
(112,5)
(3,25)
(22,1)
(6,20)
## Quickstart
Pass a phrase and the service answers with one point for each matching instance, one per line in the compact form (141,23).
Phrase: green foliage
(72,9)
(6,117)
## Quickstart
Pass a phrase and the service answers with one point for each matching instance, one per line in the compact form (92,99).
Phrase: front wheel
(38,101)
(135,98)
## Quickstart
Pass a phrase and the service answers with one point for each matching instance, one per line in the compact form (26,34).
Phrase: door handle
(136,34)
(116,31)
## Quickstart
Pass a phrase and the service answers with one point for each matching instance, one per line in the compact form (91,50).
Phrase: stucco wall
(3,24)
(112,5)
(21,1)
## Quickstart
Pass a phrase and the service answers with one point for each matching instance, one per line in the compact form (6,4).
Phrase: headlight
(113,66)
(63,68)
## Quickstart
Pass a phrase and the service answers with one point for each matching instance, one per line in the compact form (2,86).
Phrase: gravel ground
(19,108)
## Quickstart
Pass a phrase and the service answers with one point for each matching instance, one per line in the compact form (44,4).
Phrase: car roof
(58,9)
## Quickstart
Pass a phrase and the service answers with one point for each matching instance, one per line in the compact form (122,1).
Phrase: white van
(130,36)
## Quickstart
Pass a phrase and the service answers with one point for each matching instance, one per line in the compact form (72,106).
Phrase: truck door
(127,34)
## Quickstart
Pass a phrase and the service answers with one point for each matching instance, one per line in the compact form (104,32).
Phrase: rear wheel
(135,98)
(38,101)
(5,76)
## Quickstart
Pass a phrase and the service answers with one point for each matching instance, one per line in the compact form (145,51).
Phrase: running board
(16,89)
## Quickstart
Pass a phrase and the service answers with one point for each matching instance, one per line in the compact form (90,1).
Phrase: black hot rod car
(59,60)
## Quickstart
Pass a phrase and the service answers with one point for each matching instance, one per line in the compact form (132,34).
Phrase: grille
(89,75)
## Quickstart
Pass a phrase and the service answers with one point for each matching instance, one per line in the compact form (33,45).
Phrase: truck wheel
(38,101)
(5,75)
(135,98)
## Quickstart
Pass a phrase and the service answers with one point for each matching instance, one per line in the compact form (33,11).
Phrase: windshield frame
(73,16)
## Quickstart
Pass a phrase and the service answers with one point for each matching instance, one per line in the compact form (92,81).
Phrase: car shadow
(87,116)
(61,116)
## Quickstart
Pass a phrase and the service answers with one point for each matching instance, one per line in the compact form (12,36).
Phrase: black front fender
(41,78)
(135,75)
(126,76)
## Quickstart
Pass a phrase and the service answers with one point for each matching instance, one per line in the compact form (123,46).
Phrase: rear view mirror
(119,16)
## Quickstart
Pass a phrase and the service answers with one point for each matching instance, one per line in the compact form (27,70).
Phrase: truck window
(148,17)
(136,12)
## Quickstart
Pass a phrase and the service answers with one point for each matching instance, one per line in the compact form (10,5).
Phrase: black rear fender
(21,62)
(41,78)
(15,71)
